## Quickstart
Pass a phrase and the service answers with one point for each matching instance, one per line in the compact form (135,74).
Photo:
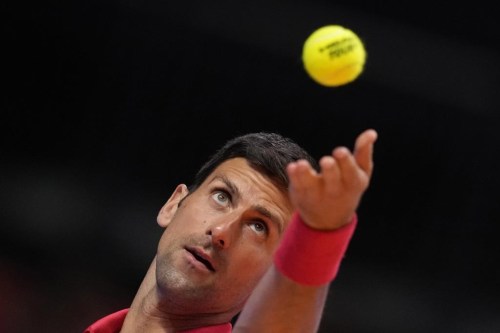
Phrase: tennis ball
(333,56)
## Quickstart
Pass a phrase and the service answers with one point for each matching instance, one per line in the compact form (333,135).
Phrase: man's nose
(223,231)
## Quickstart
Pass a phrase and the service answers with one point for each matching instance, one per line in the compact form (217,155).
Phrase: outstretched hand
(328,200)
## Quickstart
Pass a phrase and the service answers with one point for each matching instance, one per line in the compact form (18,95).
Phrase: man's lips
(202,257)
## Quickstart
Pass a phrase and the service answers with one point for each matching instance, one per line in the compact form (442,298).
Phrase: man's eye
(221,197)
(259,227)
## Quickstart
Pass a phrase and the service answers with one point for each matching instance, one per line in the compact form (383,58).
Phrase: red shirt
(113,324)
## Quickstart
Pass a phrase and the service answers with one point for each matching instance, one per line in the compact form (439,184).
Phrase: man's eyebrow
(233,189)
(236,194)
(272,217)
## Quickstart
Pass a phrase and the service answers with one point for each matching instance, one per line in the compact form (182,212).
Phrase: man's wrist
(312,257)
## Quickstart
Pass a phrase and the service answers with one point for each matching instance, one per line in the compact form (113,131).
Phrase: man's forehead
(239,167)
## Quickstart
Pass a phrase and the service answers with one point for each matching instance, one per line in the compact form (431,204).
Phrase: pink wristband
(312,257)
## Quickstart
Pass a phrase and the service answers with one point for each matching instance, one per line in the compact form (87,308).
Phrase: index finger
(363,150)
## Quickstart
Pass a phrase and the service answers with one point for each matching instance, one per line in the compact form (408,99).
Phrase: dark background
(108,105)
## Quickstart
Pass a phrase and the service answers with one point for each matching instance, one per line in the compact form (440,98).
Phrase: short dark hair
(268,153)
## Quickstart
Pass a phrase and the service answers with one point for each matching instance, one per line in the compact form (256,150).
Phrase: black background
(107,106)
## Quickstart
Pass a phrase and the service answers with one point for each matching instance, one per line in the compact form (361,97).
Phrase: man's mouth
(200,258)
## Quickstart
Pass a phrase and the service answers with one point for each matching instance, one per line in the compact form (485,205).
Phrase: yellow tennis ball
(333,55)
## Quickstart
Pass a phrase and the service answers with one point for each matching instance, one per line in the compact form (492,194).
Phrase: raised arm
(291,296)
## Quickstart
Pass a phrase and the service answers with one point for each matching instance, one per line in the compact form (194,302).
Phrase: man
(225,250)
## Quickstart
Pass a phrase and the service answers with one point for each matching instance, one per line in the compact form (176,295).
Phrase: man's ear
(168,210)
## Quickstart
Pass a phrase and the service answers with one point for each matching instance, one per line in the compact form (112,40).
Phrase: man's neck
(148,314)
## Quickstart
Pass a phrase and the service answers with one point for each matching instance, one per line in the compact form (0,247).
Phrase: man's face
(221,239)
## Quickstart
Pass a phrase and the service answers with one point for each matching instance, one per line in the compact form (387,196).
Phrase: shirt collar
(114,322)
